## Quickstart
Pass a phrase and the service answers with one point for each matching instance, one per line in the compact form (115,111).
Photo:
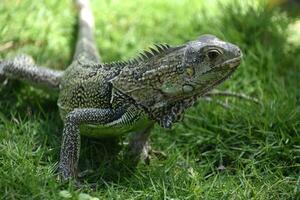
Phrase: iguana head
(167,76)
(206,62)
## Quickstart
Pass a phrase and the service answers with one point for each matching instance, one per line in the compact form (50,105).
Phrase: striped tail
(86,46)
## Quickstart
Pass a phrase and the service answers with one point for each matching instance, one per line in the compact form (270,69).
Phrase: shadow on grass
(101,156)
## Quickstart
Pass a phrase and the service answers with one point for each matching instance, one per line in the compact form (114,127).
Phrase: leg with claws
(69,154)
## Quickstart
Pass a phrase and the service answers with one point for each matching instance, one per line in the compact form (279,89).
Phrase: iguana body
(119,98)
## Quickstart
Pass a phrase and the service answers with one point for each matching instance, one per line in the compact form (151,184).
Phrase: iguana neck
(144,80)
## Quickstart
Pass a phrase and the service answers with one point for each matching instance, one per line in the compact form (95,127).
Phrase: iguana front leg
(70,149)
(23,67)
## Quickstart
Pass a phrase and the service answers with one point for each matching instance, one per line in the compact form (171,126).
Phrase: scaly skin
(114,99)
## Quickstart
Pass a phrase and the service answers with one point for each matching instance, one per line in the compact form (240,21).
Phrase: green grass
(258,147)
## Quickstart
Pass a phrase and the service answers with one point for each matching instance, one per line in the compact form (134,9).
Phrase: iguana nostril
(239,52)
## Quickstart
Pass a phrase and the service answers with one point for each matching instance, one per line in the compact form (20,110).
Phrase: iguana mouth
(232,63)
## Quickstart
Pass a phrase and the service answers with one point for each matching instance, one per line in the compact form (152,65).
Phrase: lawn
(249,151)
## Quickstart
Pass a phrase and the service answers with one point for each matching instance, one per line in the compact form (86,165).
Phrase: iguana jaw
(232,63)
(221,72)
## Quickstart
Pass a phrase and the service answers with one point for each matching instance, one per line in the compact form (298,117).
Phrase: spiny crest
(153,51)
(158,49)
(114,64)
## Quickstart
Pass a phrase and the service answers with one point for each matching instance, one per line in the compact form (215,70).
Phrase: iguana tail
(86,45)
(23,67)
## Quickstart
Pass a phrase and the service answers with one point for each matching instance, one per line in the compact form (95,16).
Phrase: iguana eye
(213,54)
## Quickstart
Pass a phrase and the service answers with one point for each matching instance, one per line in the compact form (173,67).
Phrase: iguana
(113,99)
